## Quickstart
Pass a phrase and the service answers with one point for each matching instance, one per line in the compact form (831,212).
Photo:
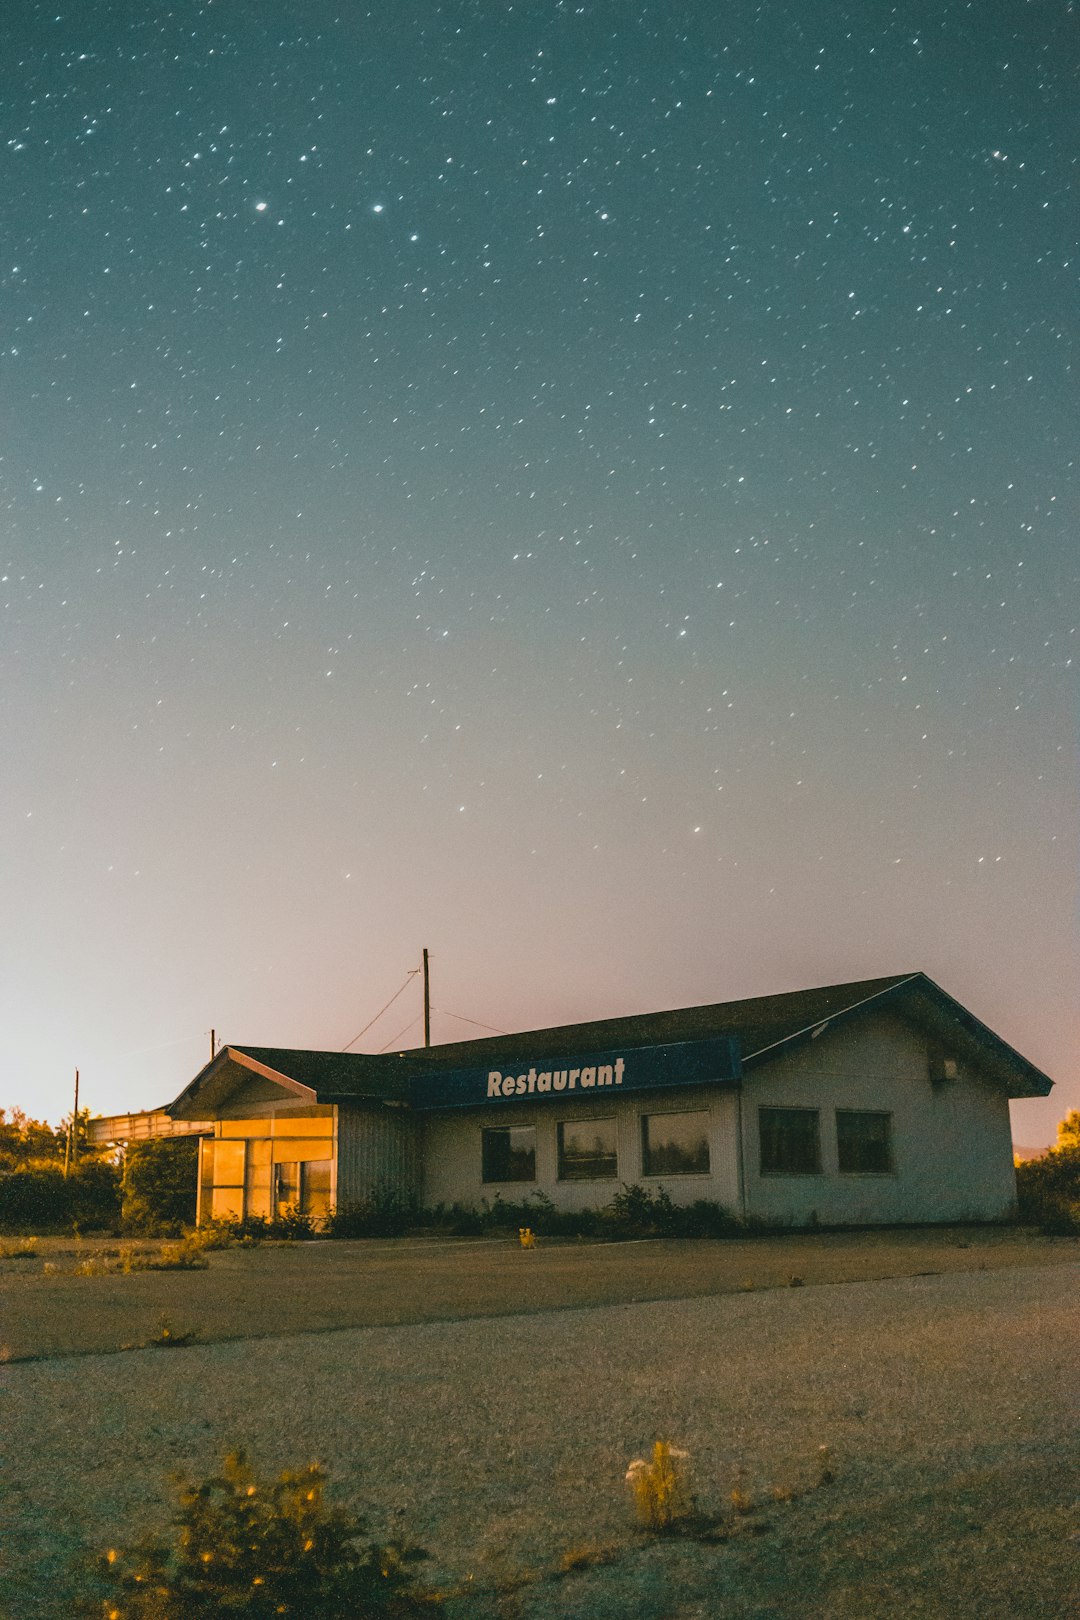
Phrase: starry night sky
(590,488)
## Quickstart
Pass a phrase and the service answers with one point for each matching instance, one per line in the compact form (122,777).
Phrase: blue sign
(586,1076)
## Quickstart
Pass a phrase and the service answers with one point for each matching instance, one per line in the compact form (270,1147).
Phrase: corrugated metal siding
(377,1152)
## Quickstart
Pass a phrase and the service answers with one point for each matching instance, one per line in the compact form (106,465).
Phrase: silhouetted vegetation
(158,1185)
(42,1199)
(1048,1189)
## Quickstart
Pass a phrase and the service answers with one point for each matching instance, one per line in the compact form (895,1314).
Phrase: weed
(661,1488)
(587,1556)
(247,1548)
(19,1249)
(177,1257)
(97,1266)
(170,1338)
(742,1502)
(526,1237)
(825,1473)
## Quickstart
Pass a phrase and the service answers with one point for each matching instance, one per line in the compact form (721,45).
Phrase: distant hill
(1030,1152)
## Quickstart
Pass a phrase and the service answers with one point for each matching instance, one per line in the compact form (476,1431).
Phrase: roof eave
(198,1099)
(1020,1077)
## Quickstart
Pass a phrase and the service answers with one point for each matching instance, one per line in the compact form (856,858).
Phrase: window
(510,1154)
(675,1144)
(789,1141)
(315,1187)
(286,1187)
(302,1184)
(227,1196)
(587,1150)
(863,1143)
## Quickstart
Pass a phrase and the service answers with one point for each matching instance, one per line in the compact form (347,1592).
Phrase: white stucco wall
(951,1139)
(450,1150)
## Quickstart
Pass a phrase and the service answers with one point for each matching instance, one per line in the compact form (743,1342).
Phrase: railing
(148,1126)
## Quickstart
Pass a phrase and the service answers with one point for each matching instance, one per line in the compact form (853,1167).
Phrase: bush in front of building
(1048,1191)
(637,1212)
(43,1199)
(386,1213)
(158,1186)
(245,1547)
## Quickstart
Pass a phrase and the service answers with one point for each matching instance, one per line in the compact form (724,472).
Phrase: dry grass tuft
(19,1249)
(588,1555)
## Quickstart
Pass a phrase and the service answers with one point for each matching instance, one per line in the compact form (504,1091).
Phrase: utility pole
(213,1044)
(427,1000)
(71,1148)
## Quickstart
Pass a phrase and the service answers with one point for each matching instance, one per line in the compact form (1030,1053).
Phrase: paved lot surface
(316,1287)
(949,1403)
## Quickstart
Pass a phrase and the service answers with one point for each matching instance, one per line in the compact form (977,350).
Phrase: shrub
(292,1225)
(259,1550)
(637,1212)
(159,1184)
(44,1200)
(185,1256)
(386,1213)
(1048,1191)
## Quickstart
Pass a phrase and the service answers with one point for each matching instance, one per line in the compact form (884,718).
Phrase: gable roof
(763,1026)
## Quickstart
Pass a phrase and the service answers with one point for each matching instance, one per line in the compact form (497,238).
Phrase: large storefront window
(266,1164)
(303,1185)
(510,1154)
(675,1144)
(790,1143)
(587,1150)
(315,1188)
(227,1198)
(863,1143)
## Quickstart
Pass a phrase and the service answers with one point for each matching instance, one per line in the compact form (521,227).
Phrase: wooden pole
(213,1044)
(427,1000)
(71,1146)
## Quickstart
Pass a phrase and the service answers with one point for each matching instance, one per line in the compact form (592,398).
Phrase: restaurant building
(876,1102)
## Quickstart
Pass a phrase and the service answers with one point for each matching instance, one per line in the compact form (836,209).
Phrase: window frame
(672,1113)
(867,1113)
(575,1124)
(789,1170)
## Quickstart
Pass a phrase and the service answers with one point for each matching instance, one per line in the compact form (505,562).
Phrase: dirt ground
(946,1395)
(48,1309)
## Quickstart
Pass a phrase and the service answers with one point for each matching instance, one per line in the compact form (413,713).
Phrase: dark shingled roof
(760,1024)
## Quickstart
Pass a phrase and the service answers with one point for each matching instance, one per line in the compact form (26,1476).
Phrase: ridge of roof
(761,1024)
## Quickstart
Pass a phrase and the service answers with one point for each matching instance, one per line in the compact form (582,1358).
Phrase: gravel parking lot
(949,1404)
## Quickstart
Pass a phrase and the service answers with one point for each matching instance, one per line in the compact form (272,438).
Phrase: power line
(400,1033)
(410,975)
(462,1019)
